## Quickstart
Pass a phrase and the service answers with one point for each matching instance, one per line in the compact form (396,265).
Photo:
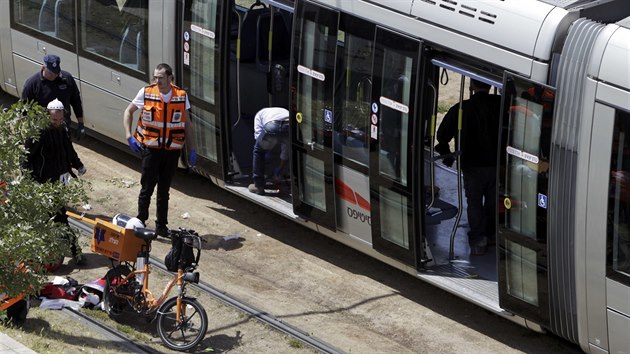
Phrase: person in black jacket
(52,157)
(53,83)
(479,141)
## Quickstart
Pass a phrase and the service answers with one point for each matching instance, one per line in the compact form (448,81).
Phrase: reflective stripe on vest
(162,125)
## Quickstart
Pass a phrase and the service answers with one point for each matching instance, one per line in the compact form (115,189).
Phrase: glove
(65,178)
(192,158)
(448,161)
(80,133)
(134,145)
(81,171)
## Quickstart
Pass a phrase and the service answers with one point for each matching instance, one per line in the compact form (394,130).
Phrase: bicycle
(181,320)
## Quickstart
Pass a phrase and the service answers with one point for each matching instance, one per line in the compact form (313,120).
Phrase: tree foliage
(28,235)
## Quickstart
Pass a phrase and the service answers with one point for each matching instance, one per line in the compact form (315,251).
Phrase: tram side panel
(604,288)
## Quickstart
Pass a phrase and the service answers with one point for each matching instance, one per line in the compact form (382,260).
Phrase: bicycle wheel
(189,331)
(112,305)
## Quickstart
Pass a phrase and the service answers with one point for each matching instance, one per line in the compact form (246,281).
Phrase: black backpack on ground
(179,248)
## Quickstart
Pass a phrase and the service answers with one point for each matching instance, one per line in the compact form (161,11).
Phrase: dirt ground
(334,293)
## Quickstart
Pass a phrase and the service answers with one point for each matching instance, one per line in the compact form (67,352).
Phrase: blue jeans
(273,132)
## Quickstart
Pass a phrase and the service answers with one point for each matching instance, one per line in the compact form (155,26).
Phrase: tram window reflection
(54,18)
(353,89)
(393,135)
(116,32)
(530,116)
(618,225)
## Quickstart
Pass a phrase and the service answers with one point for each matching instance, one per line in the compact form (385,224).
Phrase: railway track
(212,292)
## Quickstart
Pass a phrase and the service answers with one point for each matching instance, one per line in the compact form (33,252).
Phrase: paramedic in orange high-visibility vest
(162,131)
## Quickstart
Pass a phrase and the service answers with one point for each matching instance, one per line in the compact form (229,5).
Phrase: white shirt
(267,115)
(139,99)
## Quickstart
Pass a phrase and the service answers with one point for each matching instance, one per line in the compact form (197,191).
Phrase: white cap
(55,104)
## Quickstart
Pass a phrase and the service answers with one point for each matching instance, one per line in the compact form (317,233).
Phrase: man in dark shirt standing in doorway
(479,143)
(52,83)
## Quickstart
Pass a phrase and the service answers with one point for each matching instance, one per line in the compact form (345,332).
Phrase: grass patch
(294,343)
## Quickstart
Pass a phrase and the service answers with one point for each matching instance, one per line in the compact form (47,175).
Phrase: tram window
(116,31)
(618,226)
(522,281)
(393,135)
(199,65)
(311,95)
(394,217)
(54,18)
(353,89)
(530,115)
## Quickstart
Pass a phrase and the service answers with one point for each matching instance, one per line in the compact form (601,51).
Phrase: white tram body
(363,81)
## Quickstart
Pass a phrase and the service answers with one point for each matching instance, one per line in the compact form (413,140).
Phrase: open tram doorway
(446,222)
(257,76)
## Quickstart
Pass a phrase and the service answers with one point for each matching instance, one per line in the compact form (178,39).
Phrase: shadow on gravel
(221,343)
(44,330)
(227,243)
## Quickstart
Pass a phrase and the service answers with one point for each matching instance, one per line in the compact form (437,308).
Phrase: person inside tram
(271,126)
(479,140)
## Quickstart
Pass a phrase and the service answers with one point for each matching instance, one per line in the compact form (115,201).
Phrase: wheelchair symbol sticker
(542,200)
(328,116)
(374,107)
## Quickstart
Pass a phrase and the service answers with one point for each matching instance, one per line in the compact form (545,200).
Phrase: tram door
(524,178)
(392,123)
(312,111)
(199,72)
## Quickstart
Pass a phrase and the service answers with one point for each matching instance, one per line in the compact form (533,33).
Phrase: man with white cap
(52,157)
(53,83)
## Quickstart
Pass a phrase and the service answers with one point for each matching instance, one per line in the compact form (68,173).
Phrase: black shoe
(162,230)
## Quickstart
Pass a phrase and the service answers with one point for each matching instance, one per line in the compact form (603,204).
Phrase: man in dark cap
(53,83)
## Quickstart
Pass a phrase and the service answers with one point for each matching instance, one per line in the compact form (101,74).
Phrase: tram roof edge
(610,65)
(515,34)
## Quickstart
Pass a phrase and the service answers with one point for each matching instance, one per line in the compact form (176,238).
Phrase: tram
(364,82)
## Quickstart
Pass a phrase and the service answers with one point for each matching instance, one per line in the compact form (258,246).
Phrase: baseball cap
(55,104)
(52,63)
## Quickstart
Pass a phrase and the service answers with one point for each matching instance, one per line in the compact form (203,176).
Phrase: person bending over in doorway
(271,126)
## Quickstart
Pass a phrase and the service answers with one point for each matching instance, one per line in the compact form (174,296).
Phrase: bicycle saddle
(145,234)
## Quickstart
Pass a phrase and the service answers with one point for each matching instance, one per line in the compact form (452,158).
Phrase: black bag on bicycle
(179,248)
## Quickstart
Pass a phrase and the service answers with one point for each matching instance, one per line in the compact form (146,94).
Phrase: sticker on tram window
(374,107)
(374,132)
(542,200)
(186,58)
(312,73)
(328,117)
(388,102)
(186,36)
(522,154)
(202,31)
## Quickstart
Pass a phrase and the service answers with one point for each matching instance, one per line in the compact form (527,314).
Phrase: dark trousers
(273,132)
(62,218)
(158,168)
(480,184)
